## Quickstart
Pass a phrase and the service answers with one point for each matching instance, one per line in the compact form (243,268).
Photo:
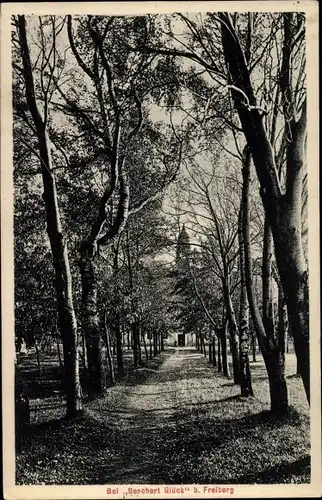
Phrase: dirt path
(148,414)
(182,409)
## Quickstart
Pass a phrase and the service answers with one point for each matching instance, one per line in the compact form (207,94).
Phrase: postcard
(160,250)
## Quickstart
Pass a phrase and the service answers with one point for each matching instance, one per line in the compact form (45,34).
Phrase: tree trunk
(277,383)
(134,324)
(119,347)
(271,348)
(58,351)
(233,331)
(254,347)
(298,371)
(84,356)
(154,345)
(109,357)
(151,344)
(214,361)
(145,347)
(96,368)
(136,345)
(287,341)
(268,316)
(223,338)
(162,343)
(282,317)
(295,285)
(118,336)
(219,352)
(210,353)
(38,358)
(245,374)
(63,280)
(245,379)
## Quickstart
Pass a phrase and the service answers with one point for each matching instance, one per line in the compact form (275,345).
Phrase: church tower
(183,244)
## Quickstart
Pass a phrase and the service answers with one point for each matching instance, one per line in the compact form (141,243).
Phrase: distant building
(183,246)
(181,339)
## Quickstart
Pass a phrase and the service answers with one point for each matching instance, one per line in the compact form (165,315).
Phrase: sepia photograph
(161,221)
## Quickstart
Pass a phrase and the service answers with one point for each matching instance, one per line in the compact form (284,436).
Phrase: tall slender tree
(63,281)
(244,334)
(271,347)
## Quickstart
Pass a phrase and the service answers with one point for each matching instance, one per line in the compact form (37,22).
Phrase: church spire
(183,244)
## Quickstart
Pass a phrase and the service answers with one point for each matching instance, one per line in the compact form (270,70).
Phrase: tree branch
(121,216)
(78,58)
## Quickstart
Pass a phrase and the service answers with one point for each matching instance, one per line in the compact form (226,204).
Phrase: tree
(120,122)
(283,209)
(63,284)
(272,348)
(220,230)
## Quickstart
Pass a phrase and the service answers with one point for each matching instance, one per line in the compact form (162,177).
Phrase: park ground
(174,421)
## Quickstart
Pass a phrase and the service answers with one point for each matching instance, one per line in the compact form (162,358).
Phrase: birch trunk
(245,374)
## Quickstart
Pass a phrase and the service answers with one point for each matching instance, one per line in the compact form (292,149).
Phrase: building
(178,339)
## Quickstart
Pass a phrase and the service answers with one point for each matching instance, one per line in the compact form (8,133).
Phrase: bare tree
(271,348)
(221,233)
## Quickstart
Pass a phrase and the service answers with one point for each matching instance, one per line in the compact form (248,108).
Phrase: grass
(175,421)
